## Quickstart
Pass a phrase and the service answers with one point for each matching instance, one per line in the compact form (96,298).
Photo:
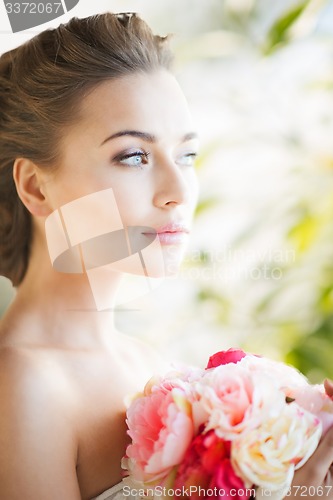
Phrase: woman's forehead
(151,102)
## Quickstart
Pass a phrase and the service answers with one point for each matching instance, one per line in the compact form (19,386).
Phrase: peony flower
(244,422)
(314,399)
(226,480)
(225,357)
(236,400)
(161,429)
(269,454)
(206,466)
(183,378)
(285,376)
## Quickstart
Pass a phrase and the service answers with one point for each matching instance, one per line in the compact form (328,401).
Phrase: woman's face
(134,138)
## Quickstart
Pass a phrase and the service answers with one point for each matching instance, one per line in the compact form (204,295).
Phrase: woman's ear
(27,178)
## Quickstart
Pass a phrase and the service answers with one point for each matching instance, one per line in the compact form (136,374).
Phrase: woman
(96,142)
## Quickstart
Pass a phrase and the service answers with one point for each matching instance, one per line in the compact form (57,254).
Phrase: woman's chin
(160,262)
(173,256)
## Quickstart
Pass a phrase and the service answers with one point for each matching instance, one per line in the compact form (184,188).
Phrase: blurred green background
(259,271)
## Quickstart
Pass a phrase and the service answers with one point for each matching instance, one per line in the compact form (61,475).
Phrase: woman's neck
(61,308)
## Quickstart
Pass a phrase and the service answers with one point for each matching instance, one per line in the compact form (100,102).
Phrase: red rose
(228,484)
(225,357)
(207,468)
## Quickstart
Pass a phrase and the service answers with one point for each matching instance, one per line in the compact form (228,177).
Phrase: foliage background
(259,270)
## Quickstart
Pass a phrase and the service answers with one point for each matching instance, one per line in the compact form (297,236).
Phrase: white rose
(268,455)
(285,376)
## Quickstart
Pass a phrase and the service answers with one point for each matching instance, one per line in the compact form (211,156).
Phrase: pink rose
(182,378)
(161,429)
(206,466)
(236,399)
(225,357)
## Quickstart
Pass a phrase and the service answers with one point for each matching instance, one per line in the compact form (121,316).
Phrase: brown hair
(41,83)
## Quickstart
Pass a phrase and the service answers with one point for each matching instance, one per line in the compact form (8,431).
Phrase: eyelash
(193,156)
(144,155)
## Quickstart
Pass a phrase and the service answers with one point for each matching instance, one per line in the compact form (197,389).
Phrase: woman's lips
(174,238)
(172,233)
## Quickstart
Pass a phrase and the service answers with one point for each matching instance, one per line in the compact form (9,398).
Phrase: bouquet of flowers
(237,429)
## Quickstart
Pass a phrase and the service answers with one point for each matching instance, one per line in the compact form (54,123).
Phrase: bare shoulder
(38,444)
(25,372)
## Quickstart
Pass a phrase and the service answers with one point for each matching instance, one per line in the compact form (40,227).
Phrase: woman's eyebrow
(145,136)
(189,137)
(134,133)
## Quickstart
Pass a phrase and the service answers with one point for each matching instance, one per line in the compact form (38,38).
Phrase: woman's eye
(187,160)
(135,159)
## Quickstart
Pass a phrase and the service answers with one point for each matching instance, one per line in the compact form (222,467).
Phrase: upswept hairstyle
(41,85)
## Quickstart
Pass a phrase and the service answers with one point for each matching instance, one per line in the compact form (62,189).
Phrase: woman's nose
(171,186)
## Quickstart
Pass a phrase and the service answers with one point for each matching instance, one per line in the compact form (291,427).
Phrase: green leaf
(325,302)
(312,354)
(278,33)
(305,233)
